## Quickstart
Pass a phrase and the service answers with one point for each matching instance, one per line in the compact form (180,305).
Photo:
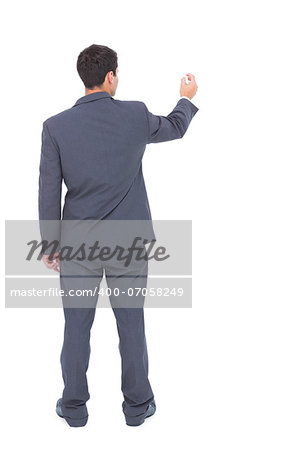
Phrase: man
(97,147)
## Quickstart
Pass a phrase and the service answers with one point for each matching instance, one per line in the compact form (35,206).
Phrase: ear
(110,76)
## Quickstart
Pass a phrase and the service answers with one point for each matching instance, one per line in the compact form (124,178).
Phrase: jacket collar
(92,97)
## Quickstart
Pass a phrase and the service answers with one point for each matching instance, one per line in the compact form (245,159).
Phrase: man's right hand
(190,89)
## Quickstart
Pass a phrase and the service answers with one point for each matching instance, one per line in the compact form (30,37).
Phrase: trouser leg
(76,349)
(74,361)
(135,384)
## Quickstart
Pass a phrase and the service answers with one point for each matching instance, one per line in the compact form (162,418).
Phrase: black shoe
(150,411)
(58,408)
(71,422)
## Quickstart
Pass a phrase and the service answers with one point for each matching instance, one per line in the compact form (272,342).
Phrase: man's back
(97,148)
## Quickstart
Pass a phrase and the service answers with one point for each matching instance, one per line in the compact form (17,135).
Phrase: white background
(225,373)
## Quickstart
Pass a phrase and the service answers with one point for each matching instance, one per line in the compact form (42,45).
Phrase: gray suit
(97,147)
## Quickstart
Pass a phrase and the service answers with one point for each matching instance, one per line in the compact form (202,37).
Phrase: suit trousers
(127,301)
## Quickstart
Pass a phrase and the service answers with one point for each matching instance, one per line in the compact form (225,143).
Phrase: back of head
(94,62)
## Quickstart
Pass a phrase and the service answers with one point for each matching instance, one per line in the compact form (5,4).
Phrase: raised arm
(174,125)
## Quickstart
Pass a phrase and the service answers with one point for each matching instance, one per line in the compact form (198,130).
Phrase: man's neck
(89,91)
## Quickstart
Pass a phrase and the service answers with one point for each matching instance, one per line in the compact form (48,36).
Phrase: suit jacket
(97,147)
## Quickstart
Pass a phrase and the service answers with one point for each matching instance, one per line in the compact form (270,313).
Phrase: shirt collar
(92,97)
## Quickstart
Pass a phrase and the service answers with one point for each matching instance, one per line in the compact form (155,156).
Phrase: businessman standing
(96,147)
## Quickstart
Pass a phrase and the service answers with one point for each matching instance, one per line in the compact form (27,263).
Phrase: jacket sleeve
(50,184)
(174,125)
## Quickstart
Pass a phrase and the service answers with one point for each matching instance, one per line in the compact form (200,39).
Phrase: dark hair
(94,62)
